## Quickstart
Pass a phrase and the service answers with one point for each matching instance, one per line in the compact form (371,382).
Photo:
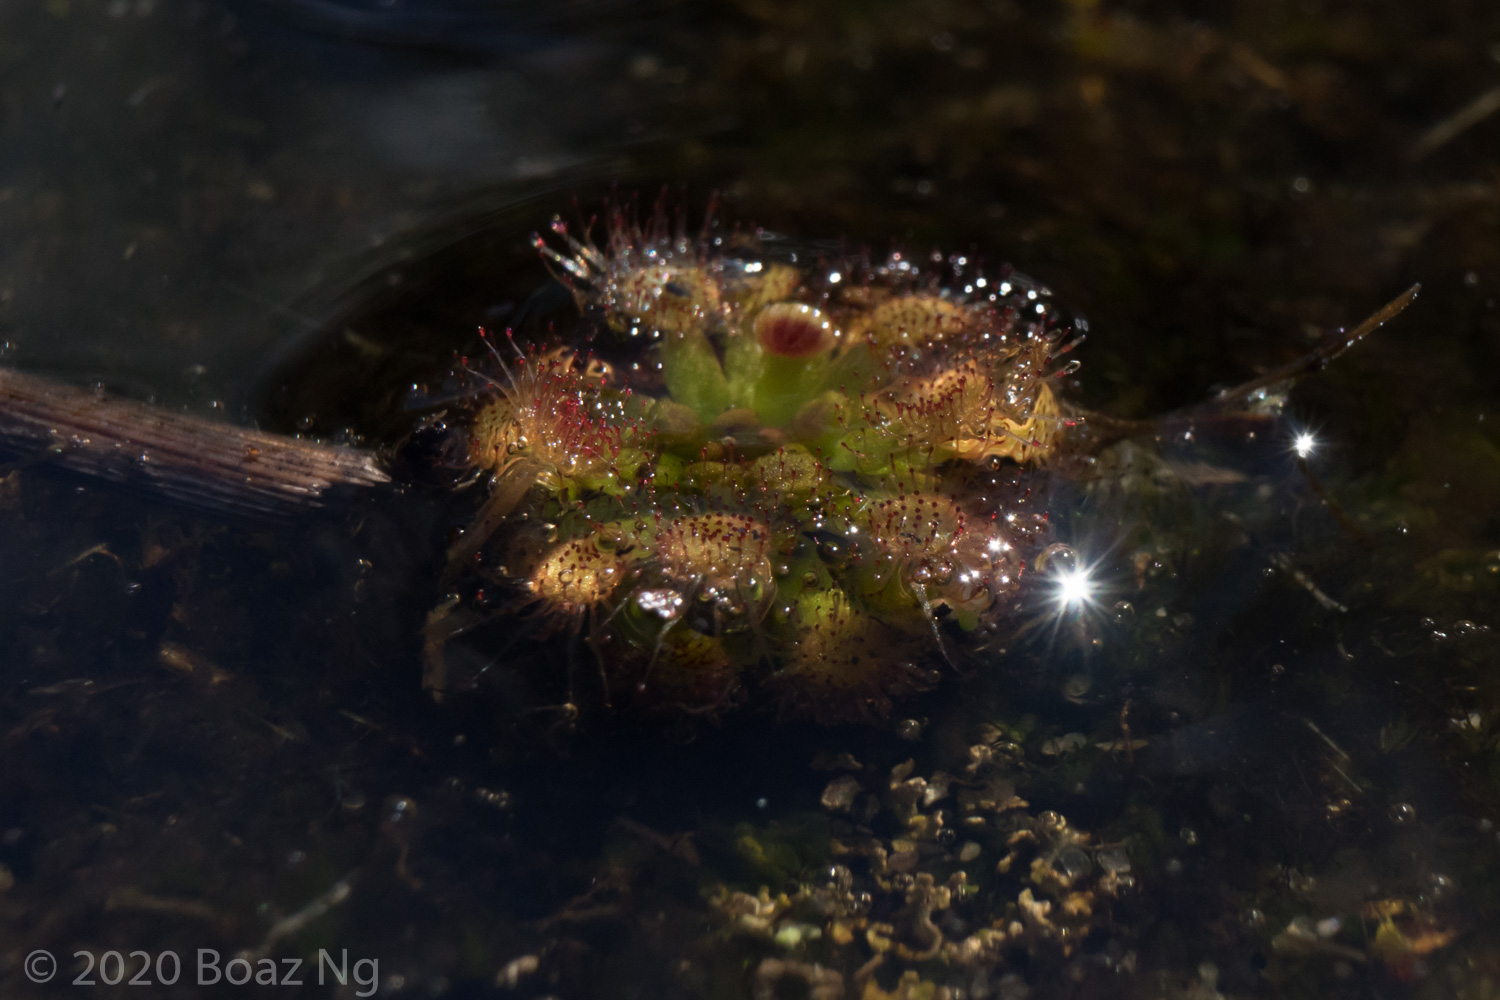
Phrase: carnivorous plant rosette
(783,478)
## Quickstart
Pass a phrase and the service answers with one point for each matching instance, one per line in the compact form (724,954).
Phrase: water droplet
(1403,813)
(1113,859)
(1189,836)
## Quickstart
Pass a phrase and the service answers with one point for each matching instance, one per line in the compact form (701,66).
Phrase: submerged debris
(969,877)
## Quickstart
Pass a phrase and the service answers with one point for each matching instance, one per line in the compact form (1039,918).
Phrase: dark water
(213,736)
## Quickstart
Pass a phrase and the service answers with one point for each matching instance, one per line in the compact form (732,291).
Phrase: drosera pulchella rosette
(795,483)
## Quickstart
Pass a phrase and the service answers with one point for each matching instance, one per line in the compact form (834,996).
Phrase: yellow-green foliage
(805,472)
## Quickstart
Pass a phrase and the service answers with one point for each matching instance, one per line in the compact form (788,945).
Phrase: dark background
(287,212)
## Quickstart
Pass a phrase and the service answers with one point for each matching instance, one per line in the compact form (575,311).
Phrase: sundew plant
(772,476)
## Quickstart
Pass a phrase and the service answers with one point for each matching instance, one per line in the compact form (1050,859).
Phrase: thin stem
(197,462)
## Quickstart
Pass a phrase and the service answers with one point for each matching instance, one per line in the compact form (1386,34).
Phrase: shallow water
(288,213)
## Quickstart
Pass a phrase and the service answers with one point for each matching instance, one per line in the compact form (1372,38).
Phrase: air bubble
(399,810)
(1057,558)
(1077,686)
